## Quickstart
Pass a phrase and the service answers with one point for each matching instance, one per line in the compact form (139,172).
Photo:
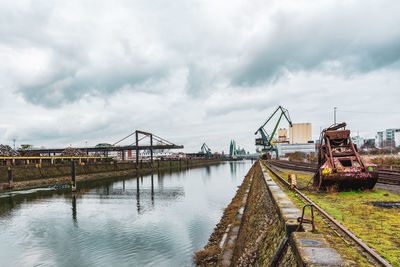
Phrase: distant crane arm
(205,149)
(267,139)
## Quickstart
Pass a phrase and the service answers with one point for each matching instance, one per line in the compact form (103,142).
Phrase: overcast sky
(194,71)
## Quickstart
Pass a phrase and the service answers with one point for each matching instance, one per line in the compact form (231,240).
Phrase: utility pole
(14,143)
(334,115)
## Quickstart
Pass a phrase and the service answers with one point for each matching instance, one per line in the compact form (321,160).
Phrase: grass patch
(378,227)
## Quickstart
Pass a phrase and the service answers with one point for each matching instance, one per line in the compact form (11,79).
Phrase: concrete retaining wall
(30,176)
(267,233)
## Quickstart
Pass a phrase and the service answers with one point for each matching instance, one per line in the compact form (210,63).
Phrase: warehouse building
(300,133)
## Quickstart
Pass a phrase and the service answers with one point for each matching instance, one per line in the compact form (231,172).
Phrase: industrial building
(299,139)
(284,149)
(282,136)
(358,141)
(300,133)
(387,138)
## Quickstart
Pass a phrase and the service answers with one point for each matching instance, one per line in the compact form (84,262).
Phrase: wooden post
(170,164)
(158,164)
(10,177)
(137,149)
(151,150)
(73,174)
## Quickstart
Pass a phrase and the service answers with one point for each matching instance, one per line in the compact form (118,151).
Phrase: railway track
(386,176)
(363,248)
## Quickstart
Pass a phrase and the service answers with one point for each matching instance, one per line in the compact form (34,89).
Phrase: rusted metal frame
(124,138)
(328,145)
(115,148)
(328,160)
(369,250)
(356,154)
(140,139)
(143,132)
(162,139)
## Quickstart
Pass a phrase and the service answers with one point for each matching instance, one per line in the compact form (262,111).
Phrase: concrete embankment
(260,228)
(34,176)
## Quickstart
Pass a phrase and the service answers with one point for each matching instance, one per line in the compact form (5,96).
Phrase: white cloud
(193,72)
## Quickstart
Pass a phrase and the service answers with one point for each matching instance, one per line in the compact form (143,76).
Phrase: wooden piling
(73,175)
(10,177)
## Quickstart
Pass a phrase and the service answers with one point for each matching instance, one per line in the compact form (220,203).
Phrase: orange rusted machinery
(340,167)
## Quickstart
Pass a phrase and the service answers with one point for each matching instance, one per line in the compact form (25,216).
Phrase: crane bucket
(340,166)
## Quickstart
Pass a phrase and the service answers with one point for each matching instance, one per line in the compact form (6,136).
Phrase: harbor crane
(266,140)
(205,150)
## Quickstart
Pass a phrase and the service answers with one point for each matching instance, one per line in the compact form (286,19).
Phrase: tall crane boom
(266,139)
(205,149)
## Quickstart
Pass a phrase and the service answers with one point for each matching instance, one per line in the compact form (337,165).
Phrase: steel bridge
(139,136)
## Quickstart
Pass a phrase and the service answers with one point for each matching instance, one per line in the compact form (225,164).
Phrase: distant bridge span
(162,144)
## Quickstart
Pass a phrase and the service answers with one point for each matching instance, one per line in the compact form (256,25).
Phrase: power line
(367,112)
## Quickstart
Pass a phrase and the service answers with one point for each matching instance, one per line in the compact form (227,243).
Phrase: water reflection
(208,170)
(174,216)
(152,190)
(137,194)
(74,209)
(232,166)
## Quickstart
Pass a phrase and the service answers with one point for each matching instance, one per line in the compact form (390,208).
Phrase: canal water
(154,220)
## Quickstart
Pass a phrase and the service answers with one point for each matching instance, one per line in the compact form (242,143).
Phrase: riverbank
(30,177)
(260,228)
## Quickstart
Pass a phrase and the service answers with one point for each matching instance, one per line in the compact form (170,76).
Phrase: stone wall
(264,231)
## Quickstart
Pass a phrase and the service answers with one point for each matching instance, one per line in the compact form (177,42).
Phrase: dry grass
(202,257)
(333,189)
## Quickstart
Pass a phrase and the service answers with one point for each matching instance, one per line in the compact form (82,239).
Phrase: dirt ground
(394,189)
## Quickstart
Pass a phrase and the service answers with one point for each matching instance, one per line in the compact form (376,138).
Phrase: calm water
(155,220)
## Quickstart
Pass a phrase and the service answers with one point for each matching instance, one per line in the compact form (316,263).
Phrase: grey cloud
(72,70)
(340,39)
(73,62)
(67,89)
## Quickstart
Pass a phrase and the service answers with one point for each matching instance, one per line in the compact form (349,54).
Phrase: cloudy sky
(194,71)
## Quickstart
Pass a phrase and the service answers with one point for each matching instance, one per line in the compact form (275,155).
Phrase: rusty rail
(364,246)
